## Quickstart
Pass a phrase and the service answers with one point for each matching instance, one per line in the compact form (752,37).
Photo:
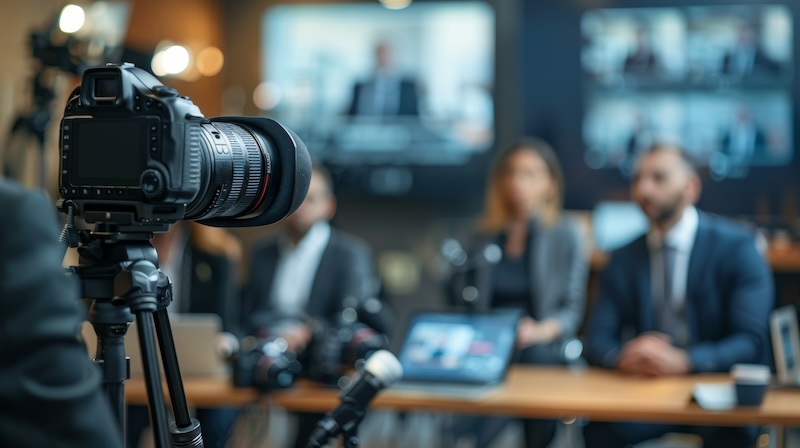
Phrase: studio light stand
(119,273)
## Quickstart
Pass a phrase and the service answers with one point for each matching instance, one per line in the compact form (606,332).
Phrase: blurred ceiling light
(176,59)
(71,19)
(210,61)
(171,60)
(395,4)
(157,64)
(267,95)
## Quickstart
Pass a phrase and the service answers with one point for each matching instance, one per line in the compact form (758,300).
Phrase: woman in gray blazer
(543,268)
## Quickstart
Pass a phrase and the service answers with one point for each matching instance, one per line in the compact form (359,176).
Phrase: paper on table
(715,396)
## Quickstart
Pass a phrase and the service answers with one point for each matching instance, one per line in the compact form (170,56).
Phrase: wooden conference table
(528,392)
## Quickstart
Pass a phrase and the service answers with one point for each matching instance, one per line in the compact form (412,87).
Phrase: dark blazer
(49,389)
(729,295)
(761,64)
(408,104)
(210,281)
(759,144)
(345,271)
(558,274)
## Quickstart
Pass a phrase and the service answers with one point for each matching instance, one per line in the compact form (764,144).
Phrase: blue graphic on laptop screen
(458,347)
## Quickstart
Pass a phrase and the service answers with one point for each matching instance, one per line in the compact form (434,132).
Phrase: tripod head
(122,268)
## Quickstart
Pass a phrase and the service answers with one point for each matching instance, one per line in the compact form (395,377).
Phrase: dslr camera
(265,363)
(335,349)
(137,155)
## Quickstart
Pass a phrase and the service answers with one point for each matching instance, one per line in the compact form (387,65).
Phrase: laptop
(195,337)
(786,345)
(456,353)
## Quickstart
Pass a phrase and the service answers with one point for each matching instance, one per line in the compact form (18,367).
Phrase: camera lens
(237,174)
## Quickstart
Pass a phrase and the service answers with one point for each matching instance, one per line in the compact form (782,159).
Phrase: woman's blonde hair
(496,215)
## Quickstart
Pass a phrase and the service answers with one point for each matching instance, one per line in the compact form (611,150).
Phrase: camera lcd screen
(109,153)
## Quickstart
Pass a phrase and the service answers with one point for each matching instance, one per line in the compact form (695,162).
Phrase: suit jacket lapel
(323,282)
(698,264)
(269,262)
(537,265)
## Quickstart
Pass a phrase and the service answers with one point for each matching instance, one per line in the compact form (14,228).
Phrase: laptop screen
(459,347)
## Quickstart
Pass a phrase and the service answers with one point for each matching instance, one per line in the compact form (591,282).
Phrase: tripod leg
(110,324)
(186,430)
(155,394)
(111,354)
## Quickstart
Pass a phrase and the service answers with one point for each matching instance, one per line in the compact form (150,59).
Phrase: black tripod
(31,125)
(119,272)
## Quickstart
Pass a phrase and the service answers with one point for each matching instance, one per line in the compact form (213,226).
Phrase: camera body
(266,364)
(335,349)
(130,148)
(137,155)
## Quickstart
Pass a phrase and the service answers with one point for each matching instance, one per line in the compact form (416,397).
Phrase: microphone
(381,370)
(452,252)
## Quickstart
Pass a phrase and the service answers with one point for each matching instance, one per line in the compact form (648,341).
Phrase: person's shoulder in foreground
(49,389)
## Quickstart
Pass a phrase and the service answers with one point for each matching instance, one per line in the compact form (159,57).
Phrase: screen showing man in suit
(363,84)
(50,392)
(691,295)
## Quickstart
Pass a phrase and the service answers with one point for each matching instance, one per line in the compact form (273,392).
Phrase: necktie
(670,316)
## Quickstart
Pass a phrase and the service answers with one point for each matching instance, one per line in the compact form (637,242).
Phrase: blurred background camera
(336,348)
(266,364)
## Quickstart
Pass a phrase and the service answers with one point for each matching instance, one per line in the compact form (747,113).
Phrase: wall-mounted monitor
(366,85)
(715,79)
(603,80)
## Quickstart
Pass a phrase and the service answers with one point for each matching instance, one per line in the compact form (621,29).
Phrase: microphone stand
(350,437)
(349,430)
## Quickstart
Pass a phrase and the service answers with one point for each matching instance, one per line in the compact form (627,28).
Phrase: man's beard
(667,213)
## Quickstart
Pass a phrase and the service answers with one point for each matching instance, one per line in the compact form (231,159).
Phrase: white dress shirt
(681,238)
(173,266)
(296,270)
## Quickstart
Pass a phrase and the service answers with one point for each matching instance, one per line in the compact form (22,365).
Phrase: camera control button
(152,184)
(165,92)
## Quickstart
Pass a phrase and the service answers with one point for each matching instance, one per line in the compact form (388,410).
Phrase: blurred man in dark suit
(387,93)
(641,59)
(308,272)
(692,295)
(747,58)
(312,272)
(49,389)
(744,140)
